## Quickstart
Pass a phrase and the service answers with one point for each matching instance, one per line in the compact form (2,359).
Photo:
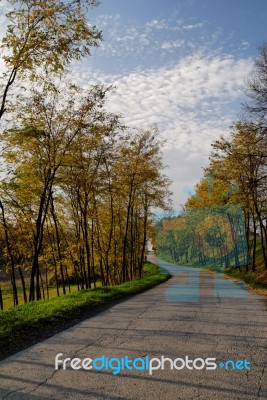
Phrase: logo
(117,365)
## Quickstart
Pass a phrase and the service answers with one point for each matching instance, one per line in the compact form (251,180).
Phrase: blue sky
(152,33)
(180,64)
(229,22)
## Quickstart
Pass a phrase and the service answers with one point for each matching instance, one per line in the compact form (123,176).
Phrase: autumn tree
(44,36)
(141,186)
(84,181)
(256,89)
(48,125)
(242,159)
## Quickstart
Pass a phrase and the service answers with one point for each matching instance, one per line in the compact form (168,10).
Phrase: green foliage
(24,324)
(77,187)
(47,34)
(42,38)
(211,237)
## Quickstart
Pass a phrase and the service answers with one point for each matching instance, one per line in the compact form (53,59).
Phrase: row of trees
(242,158)
(211,236)
(238,167)
(77,186)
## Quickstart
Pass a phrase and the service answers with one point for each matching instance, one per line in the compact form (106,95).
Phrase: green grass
(25,324)
(256,280)
(8,294)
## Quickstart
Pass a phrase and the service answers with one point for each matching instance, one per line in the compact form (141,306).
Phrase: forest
(78,188)
(77,185)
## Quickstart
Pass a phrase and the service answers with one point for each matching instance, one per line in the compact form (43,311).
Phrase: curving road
(195,314)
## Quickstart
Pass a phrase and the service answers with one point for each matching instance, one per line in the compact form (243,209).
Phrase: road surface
(193,314)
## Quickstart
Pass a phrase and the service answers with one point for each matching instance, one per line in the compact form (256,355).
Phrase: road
(191,315)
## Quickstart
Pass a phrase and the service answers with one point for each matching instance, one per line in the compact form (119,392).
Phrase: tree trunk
(58,241)
(1,300)
(23,285)
(87,246)
(144,239)
(38,237)
(125,240)
(10,254)
(253,266)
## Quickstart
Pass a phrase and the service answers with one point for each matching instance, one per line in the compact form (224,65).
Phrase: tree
(141,185)
(256,88)
(242,160)
(84,182)
(44,36)
(50,123)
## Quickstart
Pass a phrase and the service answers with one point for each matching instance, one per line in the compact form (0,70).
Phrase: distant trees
(238,167)
(204,235)
(242,159)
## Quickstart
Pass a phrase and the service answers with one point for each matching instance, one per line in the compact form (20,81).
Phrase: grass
(28,323)
(255,280)
(8,294)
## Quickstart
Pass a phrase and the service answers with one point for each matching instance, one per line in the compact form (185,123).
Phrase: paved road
(155,323)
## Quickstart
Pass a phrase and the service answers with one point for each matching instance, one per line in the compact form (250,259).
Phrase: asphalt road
(193,314)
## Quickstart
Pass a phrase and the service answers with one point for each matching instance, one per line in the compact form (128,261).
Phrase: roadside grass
(255,280)
(25,324)
(8,294)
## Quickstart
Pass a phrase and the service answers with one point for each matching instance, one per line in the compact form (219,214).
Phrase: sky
(180,64)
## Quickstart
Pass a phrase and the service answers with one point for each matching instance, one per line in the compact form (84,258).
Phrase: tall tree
(44,36)
(256,88)
(51,122)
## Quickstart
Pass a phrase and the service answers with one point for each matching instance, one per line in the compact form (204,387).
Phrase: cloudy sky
(180,64)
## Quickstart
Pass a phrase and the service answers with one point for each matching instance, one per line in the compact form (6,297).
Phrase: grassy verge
(255,280)
(26,324)
(7,293)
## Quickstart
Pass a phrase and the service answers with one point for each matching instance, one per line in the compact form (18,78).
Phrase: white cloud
(193,26)
(192,102)
(156,24)
(245,45)
(172,44)
(195,87)
(131,39)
